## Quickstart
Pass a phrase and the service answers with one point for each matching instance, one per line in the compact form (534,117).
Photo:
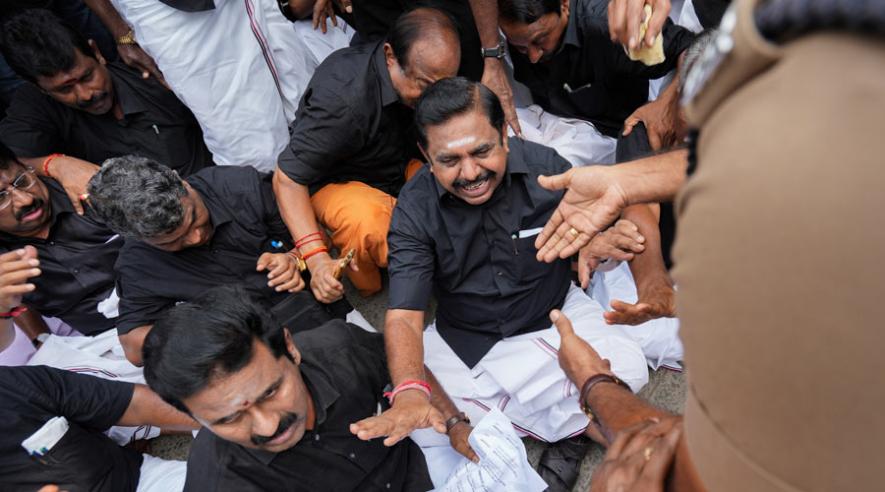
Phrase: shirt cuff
(413,294)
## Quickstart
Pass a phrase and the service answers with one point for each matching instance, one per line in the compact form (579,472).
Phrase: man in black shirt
(78,105)
(277,407)
(84,458)
(465,230)
(351,144)
(563,52)
(218,226)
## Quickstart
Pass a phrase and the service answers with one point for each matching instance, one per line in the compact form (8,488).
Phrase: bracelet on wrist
(46,163)
(14,312)
(455,420)
(409,384)
(314,252)
(126,39)
(589,384)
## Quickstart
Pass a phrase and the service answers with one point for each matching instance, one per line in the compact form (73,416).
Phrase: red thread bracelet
(46,163)
(15,312)
(408,384)
(321,249)
(312,240)
(303,239)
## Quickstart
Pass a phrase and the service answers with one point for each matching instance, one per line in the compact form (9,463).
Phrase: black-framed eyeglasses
(25,180)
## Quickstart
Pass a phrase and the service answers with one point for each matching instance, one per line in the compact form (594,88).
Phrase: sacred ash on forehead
(461,141)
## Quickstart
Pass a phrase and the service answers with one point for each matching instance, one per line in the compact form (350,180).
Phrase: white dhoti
(659,338)
(578,141)
(241,68)
(100,356)
(159,475)
(521,375)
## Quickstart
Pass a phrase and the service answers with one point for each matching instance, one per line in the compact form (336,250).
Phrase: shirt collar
(323,394)
(388,93)
(571,30)
(514,166)
(126,95)
(218,214)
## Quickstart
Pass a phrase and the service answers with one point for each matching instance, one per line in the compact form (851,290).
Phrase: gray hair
(694,51)
(137,197)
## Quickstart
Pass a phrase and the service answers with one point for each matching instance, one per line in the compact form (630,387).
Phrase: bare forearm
(485,14)
(616,408)
(653,179)
(147,408)
(109,17)
(404,342)
(439,398)
(293,200)
(31,323)
(647,266)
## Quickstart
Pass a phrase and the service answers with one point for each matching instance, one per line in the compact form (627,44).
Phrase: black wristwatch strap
(590,383)
(496,52)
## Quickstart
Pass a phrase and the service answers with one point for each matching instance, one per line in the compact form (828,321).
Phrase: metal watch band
(455,419)
(496,52)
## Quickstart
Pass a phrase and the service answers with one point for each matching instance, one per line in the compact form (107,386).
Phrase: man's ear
(390,57)
(96,52)
(505,141)
(290,346)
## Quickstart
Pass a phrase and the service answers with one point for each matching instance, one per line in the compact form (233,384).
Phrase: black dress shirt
(77,265)
(84,459)
(345,370)
(591,77)
(246,224)
(350,125)
(486,279)
(155,125)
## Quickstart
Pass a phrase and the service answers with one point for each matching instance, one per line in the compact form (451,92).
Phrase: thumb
(628,125)
(263,261)
(557,182)
(563,325)
(75,201)
(30,252)
(437,421)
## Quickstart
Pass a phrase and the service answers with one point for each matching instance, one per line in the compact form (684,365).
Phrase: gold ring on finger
(574,233)
(646,453)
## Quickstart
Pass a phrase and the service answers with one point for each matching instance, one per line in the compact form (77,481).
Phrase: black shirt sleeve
(411,255)
(86,400)
(31,127)
(326,130)
(138,306)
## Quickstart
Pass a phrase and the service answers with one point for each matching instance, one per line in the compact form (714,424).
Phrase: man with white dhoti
(240,65)
(465,229)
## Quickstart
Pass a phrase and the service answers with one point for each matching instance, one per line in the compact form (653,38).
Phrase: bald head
(423,46)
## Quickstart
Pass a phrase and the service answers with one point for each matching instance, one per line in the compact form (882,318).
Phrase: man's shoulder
(419,194)
(335,335)
(539,159)
(344,68)
(225,178)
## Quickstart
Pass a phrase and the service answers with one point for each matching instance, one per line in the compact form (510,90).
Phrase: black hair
(527,11)
(211,336)
(36,43)
(784,20)
(415,24)
(7,157)
(455,96)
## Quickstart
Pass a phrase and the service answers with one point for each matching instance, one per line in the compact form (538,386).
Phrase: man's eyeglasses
(22,182)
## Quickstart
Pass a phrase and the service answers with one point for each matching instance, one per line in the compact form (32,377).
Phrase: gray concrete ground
(666,389)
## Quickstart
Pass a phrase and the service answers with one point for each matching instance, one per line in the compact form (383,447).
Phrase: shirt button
(352,456)
(316,437)
(52,243)
(76,270)
(387,485)
(500,273)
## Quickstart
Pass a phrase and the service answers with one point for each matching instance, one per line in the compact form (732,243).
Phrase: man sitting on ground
(465,229)
(81,458)
(183,237)
(352,141)
(276,405)
(79,105)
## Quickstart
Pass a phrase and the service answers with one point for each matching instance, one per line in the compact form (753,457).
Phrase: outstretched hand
(411,410)
(592,202)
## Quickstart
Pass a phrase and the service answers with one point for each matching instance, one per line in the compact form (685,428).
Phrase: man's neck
(311,413)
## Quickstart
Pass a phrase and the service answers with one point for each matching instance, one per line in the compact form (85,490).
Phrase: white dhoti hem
(100,356)
(578,141)
(159,475)
(659,338)
(521,375)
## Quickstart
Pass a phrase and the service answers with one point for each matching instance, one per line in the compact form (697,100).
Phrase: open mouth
(476,188)
(33,215)
(285,436)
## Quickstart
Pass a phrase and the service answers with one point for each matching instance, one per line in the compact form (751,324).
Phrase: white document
(503,464)
(42,441)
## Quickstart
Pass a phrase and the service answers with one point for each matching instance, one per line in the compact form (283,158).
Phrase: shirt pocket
(79,460)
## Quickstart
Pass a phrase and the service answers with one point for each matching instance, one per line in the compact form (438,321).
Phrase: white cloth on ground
(20,351)
(578,141)
(521,375)
(659,338)
(241,68)
(159,475)
(100,356)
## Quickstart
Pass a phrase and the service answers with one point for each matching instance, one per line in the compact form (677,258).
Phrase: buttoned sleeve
(326,130)
(411,256)
(31,127)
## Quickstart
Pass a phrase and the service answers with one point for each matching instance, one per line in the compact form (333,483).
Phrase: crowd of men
(187,185)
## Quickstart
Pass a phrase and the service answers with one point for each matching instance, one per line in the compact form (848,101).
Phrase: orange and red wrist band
(309,238)
(409,384)
(314,252)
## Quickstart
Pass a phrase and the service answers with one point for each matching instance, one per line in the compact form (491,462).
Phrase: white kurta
(240,68)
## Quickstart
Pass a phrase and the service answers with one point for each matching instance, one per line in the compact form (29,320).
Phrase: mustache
(460,183)
(92,100)
(37,204)
(286,422)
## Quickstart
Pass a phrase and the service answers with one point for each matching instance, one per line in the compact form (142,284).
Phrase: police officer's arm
(146,408)
(597,195)
(635,431)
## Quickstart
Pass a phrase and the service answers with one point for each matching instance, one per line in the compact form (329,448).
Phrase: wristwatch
(496,52)
(455,420)
(128,38)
